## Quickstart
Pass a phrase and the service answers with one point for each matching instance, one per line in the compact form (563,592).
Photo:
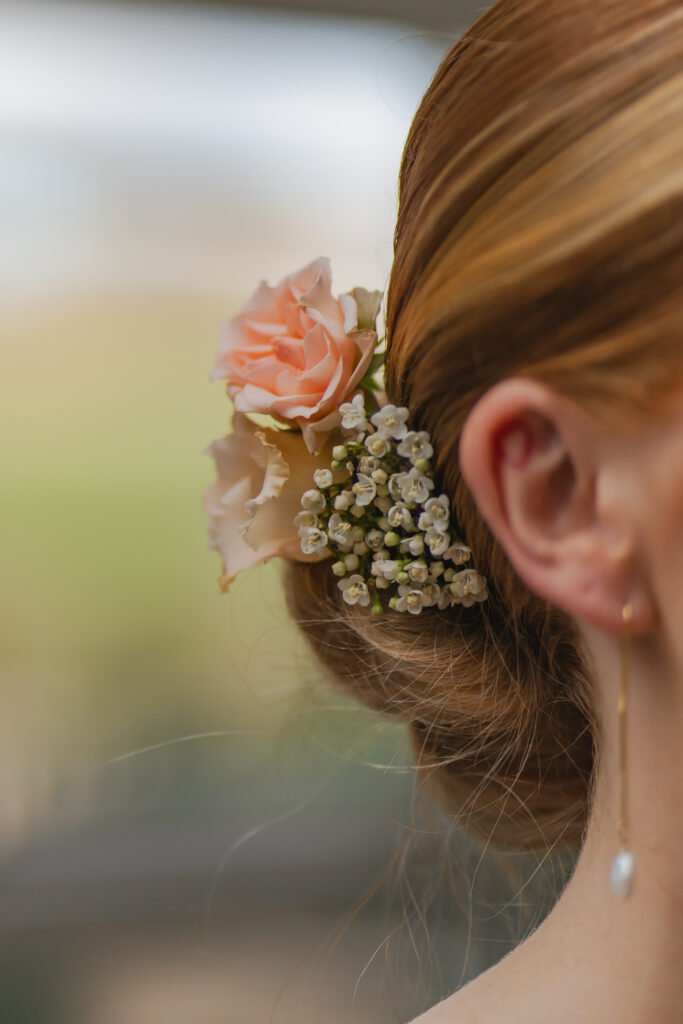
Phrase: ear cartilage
(516,444)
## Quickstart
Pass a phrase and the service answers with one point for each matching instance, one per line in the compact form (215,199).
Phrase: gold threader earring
(621,872)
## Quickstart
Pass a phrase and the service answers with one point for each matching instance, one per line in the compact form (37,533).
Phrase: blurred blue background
(189,817)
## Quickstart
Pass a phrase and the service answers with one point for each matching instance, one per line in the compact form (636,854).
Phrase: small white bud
(343,501)
(323,477)
(374,539)
(313,501)
(303,520)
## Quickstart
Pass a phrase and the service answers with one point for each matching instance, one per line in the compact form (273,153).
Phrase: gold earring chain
(621,874)
(622,710)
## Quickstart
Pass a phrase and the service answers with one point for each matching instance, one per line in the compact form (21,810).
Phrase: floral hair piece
(339,474)
(373,509)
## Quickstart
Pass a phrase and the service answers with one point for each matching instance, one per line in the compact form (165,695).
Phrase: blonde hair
(540,232)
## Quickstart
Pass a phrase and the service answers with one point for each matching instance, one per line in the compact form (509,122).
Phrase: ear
(545,478)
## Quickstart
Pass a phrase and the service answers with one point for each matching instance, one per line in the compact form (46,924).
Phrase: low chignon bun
(525,244)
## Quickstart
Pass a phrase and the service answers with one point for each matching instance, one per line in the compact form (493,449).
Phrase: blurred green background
(193,825)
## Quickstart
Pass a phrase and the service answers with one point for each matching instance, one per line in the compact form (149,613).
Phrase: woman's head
(534,306)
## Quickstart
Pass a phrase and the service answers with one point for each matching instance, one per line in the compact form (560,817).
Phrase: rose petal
(322,307)
(262,474)
(295,351)
(316,345)
(349,309)
(300,281)
(366,342)
(316,434)
(276,517)
(316,431)
(289,350)
(260,306)
(276,473)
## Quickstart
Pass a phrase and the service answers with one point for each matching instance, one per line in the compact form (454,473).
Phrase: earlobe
(533,461)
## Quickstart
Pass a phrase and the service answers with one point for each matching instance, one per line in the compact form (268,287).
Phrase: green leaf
(376,363)
(371,403)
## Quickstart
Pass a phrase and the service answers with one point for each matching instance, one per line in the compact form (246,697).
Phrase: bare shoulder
(469,1005)
(514,991)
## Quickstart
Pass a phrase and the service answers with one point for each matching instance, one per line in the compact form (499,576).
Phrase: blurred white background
(186,813)
(195,150)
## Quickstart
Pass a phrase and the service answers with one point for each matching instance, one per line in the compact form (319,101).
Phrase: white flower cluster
(374,511)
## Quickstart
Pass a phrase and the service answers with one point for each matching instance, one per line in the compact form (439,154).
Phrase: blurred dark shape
(429,14)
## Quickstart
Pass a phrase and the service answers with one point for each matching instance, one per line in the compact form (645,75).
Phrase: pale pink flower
(295,352)
(253,503)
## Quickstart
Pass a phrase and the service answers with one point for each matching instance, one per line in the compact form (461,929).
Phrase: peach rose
(262,474)
(295,352)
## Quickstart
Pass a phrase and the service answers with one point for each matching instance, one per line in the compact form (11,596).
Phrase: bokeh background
(193,827)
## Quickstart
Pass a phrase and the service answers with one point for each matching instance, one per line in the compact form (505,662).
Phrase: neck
(597,958)
(631,950)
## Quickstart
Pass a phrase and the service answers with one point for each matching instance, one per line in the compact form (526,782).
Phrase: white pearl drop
(621,874)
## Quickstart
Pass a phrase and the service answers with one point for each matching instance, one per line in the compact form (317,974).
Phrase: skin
(590,516)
